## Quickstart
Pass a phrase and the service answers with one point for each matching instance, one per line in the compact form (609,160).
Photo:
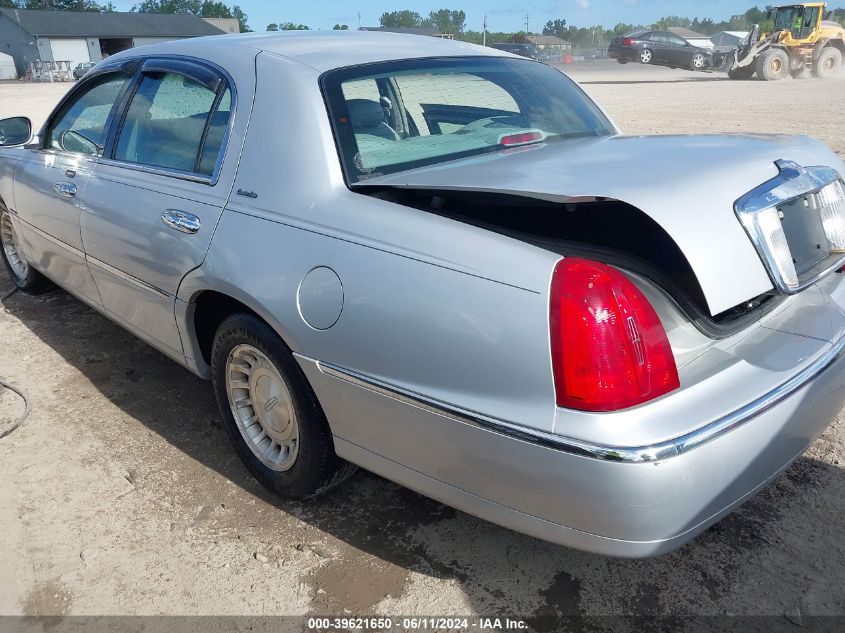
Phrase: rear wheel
(828,62)
(621,60)
(773,65)
(23,275)
(646,56)
(270,412)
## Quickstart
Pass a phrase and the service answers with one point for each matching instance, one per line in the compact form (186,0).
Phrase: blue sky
(502,15)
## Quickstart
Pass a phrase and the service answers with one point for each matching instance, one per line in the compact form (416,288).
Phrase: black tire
(33,281)
(773,65)
(744,73)
(316,467)
(621,61)
(828,63)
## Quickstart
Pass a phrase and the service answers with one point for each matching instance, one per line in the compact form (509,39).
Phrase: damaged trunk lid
(688,185)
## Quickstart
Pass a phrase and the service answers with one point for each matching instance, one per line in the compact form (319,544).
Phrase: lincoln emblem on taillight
(636,340)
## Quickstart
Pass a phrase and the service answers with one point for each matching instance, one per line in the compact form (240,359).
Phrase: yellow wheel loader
(803,42)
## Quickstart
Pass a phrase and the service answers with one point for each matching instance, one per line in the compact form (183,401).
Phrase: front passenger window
(175,123)
(81,126)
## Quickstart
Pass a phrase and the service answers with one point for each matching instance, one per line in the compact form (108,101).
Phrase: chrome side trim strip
(101,264)
(533,436)
(759,406)
(625,454)
(127,277)
(56,241)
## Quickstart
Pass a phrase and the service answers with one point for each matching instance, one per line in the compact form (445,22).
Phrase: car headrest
(365,113)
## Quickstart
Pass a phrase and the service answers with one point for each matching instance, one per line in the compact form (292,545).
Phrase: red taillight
(627,42)
(520,139)
(609,349)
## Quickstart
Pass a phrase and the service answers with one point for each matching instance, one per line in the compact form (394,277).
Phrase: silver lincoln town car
(445,264)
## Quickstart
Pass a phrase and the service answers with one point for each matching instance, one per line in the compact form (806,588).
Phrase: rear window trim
(331,80)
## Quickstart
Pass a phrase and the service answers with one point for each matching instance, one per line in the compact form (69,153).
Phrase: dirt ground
(121,495)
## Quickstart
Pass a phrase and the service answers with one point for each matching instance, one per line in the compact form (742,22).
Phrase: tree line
(443,20)
(200,8)
(597,36)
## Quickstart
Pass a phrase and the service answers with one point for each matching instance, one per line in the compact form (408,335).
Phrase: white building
(696,39)
(7,67)
(728,40)
(33,36)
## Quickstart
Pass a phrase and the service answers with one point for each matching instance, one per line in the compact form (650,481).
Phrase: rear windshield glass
(394,116)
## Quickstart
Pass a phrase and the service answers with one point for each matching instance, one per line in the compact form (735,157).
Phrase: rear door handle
(66,189)
(181,221)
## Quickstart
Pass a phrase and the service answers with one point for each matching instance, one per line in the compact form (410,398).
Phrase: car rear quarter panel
(431,305)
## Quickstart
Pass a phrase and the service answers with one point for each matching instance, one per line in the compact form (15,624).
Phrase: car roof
(327,50)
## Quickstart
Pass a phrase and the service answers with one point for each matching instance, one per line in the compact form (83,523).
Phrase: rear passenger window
(176,123)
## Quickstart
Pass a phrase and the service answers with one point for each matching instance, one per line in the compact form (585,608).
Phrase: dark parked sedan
(661,48)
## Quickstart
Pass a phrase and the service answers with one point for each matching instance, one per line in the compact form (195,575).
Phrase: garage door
(68,50)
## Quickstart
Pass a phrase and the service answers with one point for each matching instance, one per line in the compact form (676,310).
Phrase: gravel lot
(121,495)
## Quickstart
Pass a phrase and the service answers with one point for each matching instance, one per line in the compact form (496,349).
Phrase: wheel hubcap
(262,405)
(698,61)
(776,65)
(11,248)
(646,56)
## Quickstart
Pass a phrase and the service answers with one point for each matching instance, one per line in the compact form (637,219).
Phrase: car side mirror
(15,131)
(73,141)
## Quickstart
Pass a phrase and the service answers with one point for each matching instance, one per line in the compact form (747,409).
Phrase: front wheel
(773,65)
(646,56)
(23,275)
(270,412)
(699,61)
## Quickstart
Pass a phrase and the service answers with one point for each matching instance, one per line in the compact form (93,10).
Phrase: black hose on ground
(27,409)
(27,406)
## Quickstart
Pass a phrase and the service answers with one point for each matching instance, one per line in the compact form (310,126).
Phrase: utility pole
(527,17)
(484,32)
(359,20)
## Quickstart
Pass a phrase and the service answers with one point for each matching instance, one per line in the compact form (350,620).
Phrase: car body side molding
(627,454)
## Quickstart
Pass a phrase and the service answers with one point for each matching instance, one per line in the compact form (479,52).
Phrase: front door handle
(181,221)
(66,189)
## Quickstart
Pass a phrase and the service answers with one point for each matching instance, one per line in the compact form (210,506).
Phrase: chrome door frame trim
(159,171)
(668,449)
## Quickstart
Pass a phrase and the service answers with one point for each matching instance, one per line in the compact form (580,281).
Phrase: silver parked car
(80,70)
(443,263)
